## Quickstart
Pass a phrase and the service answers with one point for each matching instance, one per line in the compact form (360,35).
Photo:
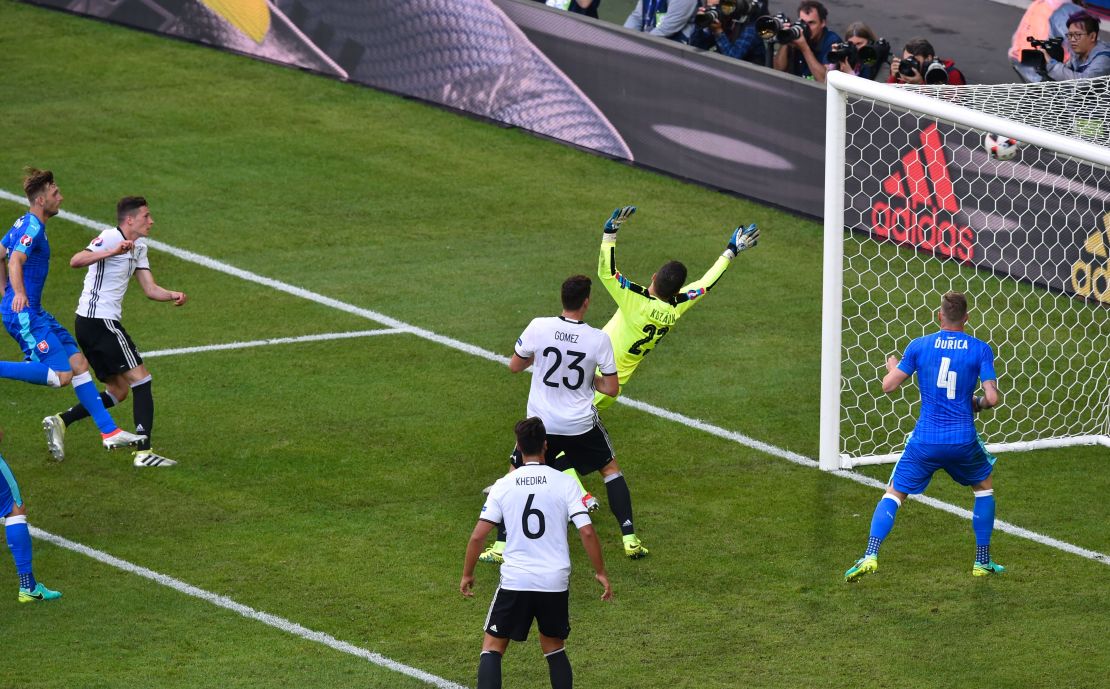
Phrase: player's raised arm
(741,238)
(621,288)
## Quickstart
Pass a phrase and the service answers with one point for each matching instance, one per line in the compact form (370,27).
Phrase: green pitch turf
(334,483)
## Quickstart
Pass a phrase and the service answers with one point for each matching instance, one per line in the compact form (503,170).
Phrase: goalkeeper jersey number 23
(642,320)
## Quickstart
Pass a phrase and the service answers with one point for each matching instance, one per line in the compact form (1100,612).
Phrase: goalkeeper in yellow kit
(646,314)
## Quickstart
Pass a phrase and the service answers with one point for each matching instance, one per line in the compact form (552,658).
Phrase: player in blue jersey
(18,535)
(949,366)
(51,355)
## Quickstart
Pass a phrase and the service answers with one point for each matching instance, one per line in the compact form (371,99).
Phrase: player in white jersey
(535,502)
(564,352)
(112,258)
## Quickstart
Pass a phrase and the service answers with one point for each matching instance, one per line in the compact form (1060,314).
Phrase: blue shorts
(967,464)
(42,338)
(9,490)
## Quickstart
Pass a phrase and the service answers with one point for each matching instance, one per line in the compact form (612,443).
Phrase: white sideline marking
(478,351)
(272,341)
(248,612)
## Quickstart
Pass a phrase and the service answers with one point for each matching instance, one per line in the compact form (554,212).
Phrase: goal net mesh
(933,206)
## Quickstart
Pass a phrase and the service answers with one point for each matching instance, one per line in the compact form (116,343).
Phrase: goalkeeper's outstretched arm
(623,290)
(741,238)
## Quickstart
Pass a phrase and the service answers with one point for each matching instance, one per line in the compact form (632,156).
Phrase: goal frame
(841,86)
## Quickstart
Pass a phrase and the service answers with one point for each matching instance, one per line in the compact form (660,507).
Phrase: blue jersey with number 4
(949,365)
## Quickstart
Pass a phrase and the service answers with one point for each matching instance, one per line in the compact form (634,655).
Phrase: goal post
(918,201)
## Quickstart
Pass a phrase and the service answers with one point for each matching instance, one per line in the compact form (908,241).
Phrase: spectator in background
(921,63)
(673,19)
(807,55)
(732,34)
(872,51)
(1090,57)
(1043,19)
(586,7)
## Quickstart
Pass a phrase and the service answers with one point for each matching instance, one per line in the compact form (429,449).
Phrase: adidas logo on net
(923,203)
(1090,274)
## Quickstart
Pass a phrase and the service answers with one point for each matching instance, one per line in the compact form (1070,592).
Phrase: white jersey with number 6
(567,354)
(536,502)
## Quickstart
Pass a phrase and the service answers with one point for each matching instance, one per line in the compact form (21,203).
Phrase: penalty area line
(266,618)
(272,341)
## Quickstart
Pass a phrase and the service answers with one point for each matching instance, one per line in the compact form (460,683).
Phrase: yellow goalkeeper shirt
(642,320)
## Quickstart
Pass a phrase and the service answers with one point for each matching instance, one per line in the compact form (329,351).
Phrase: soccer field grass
(333,483)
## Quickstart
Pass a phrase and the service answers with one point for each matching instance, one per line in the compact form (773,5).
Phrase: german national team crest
(43,346)
(26,240)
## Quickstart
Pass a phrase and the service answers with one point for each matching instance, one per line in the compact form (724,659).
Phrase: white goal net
(1001,192)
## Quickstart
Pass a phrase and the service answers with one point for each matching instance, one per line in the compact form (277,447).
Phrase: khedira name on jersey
(530,480)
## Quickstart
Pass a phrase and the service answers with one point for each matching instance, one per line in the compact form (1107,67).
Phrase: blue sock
(982,522)
(89,396)
(19,542)
(882,522)
(27,371)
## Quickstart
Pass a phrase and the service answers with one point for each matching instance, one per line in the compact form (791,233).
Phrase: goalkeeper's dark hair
(576,290)
(919,47)
(669,279)
(128,206)
(953,307)
(36,181)
(530,436)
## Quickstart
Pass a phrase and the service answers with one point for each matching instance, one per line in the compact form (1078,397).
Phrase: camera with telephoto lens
(1035,58)
(781,28)
(933,72)
(721,13)
(876,53)
(838,52)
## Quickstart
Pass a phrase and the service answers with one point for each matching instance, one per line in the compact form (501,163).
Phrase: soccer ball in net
(1000,147)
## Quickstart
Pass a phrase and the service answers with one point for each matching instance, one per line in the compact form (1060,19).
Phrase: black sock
(489,670)
(78,412)
(620,502)
(143,402)
(558,666)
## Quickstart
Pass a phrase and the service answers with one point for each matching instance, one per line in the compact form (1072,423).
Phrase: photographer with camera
(673,19)
(1090,57)
(862,53)
(805,52)
(728,26)
(1042,18)
(919,65)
